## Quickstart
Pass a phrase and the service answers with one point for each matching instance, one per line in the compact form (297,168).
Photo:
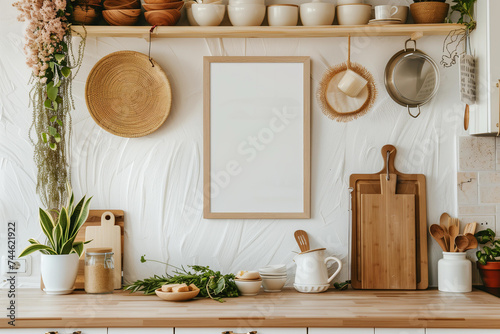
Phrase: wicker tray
(127,96)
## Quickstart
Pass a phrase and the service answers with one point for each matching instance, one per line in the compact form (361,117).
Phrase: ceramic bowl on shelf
(165,17)
(354,14)
(317,13)
(273,284)
(248,14)
(348,2)
(208,14)
(248,288)
(117,4)
(121,17)
(161,6)
(283,15)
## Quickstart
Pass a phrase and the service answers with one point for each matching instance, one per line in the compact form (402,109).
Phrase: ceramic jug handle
(331,258)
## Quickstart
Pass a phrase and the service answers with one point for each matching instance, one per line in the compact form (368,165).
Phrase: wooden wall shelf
(414,31)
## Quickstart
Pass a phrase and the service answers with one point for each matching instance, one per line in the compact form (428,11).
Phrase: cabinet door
(140,331)
(461,331)
(399,331)
(58,330)
(341,331)
(485,113)
(241,330)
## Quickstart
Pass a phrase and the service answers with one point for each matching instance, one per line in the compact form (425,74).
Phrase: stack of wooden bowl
(86,11)
(121,12)
(162,12)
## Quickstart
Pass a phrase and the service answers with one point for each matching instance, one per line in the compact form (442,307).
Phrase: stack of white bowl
(246,12)
(353,12)
(273,277)
(205,12)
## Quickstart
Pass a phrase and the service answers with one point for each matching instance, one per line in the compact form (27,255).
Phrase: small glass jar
(99,270)
(454,273)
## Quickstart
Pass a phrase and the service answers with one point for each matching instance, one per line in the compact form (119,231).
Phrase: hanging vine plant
(49,53)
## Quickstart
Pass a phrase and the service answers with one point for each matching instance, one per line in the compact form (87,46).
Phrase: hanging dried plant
(49,53)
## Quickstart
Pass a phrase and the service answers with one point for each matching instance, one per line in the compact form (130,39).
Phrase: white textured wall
(157,179)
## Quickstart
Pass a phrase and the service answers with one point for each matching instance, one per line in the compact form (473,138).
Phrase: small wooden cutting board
(388,243)
(107,235)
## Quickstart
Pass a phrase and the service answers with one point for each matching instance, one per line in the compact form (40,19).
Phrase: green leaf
(53,146)
(36,247)
(66,72)
(59,57)
(55,105)
(68,246)
(221,284)
(52,65)
(59,122)
(84,213)
(48,104)
(78,248)
(64,223)
(47,224)
(52,131)
(52,91)
(71,200)
(59,99)
(45,137)
(53,119)
(57,138)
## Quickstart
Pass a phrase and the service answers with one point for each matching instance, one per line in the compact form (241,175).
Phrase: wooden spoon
(437,233)
(461,243)
(472,241)
(453,229)
(443,222)
(302,239)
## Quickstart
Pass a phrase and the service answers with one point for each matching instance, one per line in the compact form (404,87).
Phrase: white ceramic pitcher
(312,269)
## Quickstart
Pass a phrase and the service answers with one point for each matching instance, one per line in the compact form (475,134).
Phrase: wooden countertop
(352,308)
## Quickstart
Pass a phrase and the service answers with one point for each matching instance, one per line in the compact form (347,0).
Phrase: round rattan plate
(127,96)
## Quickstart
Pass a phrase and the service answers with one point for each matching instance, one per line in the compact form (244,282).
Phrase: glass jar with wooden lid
(99,270)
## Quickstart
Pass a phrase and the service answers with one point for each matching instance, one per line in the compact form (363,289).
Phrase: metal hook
(387,165)
(414,116)
(149,51)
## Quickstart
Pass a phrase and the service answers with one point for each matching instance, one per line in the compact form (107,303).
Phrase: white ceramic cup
(283,15)
(352,83)
(354,14)
(348,2)
(248,14)
(208,14)
(385,12)
(401,14)
(317,13)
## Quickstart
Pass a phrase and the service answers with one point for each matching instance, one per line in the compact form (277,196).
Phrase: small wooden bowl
(154,2)
(166,17)
(169,5)
(118,4)
(85,15)
(121,17)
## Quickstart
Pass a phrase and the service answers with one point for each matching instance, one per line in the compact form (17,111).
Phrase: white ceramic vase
(454,273)
(59,273)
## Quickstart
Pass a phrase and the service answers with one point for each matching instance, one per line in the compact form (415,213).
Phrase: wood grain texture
(410,30)
(388,259)
(351,308)
(407,184)
(107,235)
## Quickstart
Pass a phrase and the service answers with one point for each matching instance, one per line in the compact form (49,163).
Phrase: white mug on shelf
(385,12)
(352,83)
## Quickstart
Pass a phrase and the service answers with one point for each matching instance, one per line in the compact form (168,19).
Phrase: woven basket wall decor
(126,95)
(339,106)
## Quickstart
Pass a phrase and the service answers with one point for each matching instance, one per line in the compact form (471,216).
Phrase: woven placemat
(127,96)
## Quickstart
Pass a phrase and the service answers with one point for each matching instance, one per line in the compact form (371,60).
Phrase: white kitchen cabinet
(399,330)
(341,331)
(484,117)
(461,331)
(241,330)
(58,330)
(140,331)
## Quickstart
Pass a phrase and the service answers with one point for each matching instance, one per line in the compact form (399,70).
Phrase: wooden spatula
(443,222)
(302,240)
(470,228)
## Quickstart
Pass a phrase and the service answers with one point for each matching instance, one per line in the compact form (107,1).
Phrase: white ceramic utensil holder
(454,273)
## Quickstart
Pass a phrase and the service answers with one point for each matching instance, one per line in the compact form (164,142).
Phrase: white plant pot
(59,273)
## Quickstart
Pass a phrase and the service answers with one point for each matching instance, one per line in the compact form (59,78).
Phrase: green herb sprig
(212,284)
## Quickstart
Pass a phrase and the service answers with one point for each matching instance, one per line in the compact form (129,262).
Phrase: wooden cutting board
(406,184)
(107,235)
(388,258)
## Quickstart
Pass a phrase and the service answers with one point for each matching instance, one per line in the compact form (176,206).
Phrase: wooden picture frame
(256,138)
